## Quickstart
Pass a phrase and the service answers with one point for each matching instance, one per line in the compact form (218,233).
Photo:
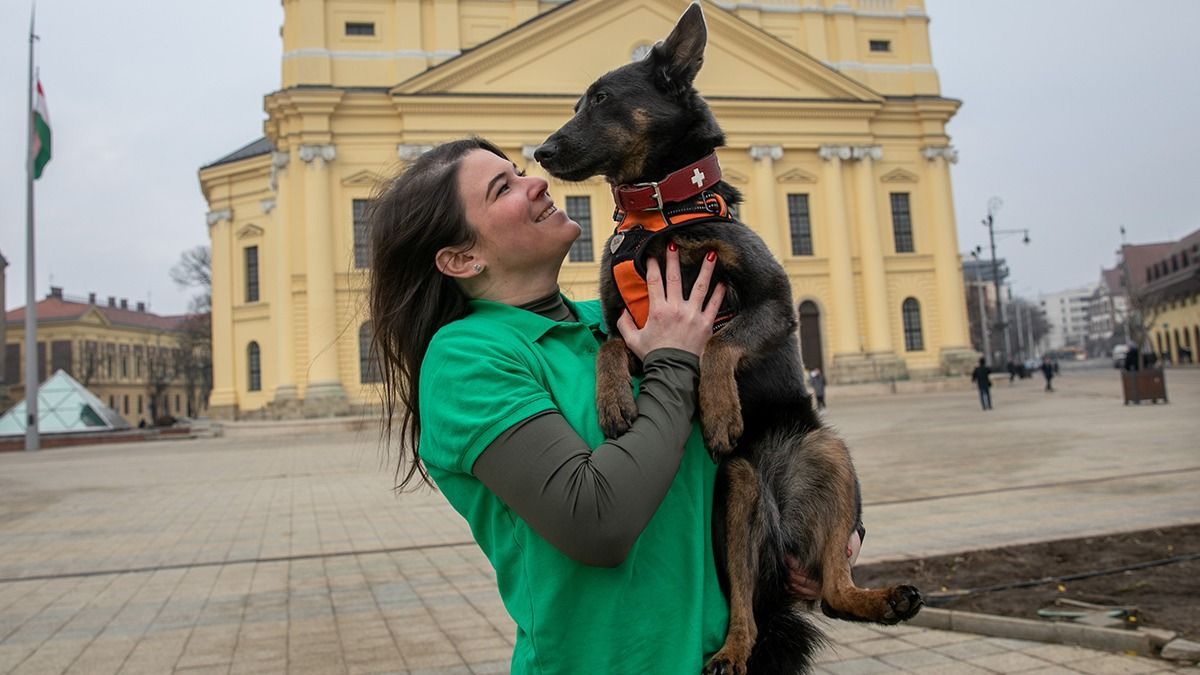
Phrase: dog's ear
(677,59)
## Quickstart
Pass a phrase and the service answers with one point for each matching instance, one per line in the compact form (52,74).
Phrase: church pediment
(796,176)
(249,231)
(561,52)
(363,178)
(899,176)
(734,176)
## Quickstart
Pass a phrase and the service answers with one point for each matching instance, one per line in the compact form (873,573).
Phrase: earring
(478,268)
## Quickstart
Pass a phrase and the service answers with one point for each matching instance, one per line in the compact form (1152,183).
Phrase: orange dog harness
(636,229)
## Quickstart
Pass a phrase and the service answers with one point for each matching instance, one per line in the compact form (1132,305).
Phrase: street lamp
(994,205)
(983,322)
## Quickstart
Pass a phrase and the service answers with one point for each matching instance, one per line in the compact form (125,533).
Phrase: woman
(602,548)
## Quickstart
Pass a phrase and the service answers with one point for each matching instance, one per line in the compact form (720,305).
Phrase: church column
(879,337)
(222,402)
(281,302)
(323,381)
(841,277)
(956,354)
(766,212)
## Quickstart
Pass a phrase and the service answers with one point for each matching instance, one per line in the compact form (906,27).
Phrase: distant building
(128,357)
(1106,314)
(1169,288)
(1067,315)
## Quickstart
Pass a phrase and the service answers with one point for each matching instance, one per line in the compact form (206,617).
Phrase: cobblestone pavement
(283,549)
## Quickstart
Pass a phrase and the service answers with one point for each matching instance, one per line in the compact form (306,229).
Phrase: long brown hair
(416,215)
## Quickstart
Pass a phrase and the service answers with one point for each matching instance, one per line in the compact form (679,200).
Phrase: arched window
(911,311)
(368,368)
(254,365)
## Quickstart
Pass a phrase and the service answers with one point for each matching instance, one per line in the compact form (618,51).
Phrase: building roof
(58,309)
(1140,256)
(252,149)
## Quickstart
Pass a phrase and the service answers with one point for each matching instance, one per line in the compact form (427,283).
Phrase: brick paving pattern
(285,550)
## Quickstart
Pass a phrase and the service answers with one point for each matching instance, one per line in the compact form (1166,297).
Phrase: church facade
(835,130)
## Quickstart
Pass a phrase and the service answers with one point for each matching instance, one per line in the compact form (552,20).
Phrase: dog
(787,490)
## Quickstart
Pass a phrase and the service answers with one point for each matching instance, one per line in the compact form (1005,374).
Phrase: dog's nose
(545,152)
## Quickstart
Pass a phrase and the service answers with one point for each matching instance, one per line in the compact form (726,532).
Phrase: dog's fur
(787,488)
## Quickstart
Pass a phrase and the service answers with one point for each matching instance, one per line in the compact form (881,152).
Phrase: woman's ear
(457,263)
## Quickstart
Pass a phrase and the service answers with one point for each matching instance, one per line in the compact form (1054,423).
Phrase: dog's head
(642,120)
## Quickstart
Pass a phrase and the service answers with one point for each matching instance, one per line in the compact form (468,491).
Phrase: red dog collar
(678,186)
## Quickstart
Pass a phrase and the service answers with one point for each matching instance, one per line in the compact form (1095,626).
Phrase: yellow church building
(836,135)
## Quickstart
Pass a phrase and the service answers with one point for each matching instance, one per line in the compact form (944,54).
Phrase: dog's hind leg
(742,544)
(840,598)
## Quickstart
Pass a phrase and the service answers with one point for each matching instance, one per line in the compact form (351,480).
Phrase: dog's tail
(788,641)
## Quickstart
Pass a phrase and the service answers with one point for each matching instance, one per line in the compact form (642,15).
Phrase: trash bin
(1144,385)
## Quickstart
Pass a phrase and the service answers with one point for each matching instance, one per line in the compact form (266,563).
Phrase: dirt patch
(1165,596)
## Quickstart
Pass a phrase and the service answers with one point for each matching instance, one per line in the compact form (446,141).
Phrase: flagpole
(32,442)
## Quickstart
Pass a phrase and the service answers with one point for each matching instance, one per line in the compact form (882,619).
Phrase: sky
(1080,115)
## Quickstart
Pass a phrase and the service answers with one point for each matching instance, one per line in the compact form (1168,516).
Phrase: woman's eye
(503,189)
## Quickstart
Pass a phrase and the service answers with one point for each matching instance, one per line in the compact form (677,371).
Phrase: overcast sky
(1081,115)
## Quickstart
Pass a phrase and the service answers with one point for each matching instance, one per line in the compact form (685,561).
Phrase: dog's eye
(599,97)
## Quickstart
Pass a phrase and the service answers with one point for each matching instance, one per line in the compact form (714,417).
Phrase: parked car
(1118,356)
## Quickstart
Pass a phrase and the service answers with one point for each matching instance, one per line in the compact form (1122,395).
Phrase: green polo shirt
(661,610)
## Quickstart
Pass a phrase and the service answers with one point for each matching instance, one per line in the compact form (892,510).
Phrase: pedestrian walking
(1048,372)
(981,376)
(817,380)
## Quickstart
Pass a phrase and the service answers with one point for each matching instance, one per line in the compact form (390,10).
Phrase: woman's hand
(672,321)
(802,586)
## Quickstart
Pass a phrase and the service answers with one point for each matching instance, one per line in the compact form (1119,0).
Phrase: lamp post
(983,322)
(994,205)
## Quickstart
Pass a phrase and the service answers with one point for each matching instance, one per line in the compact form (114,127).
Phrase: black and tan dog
(787,488)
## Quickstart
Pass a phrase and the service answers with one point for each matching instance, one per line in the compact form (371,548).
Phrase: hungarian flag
(41,133)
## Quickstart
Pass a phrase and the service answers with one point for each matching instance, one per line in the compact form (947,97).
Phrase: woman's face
(518,227)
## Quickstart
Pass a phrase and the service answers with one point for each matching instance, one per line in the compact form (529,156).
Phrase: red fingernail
(712,255)
(672,247)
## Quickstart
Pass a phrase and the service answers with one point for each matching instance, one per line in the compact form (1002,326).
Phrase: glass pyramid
(64,406)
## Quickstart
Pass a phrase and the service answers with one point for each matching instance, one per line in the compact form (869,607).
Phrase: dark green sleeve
(593,504)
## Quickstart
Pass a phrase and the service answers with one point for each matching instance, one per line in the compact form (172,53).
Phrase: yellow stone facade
(835,100)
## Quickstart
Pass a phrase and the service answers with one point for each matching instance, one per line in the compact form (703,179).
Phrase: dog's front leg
(614,393)
(720,405)
(742,544)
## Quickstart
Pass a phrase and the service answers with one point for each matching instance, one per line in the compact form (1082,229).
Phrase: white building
(1067,313)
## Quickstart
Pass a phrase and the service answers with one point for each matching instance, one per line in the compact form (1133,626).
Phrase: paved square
(281,549)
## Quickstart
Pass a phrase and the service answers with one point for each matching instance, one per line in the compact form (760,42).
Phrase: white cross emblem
(698,177)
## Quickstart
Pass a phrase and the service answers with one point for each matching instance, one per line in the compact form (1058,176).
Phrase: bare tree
(194,357)
(89,361)
(194,270)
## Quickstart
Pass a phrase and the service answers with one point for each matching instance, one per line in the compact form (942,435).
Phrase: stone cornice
(214,217)
(946,152)
(307,152)
(850,152)
(774,152)
(408,152)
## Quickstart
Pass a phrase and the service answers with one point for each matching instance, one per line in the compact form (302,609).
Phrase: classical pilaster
(323,381)
(766,209)
(842,309)
(956,355)
(280,240)
(222,402)
(879,338)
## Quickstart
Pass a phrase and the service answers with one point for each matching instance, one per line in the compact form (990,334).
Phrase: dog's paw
(720,664)
(616,413)
(903,604)
(722,428)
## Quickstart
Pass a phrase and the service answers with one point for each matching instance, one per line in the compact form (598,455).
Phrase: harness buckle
(657,193)
(710,202)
